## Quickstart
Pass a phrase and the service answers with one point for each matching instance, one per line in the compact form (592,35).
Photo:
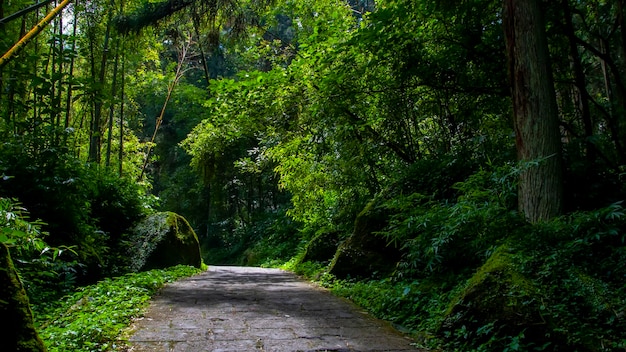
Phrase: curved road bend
(254,309)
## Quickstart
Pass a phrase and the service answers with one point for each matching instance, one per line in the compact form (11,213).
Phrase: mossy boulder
(18,333)
(322,247)
(499,297)
(163,240)
(364,254)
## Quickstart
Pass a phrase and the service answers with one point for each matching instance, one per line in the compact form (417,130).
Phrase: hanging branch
(177,76)
(205,66)
(30,35)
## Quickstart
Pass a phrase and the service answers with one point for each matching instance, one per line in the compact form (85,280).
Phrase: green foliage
(476,277)
(441,235)
(46,272)
(94,317)
(269,241)
(274,245)
(410,306)
(81,206)
(17,231)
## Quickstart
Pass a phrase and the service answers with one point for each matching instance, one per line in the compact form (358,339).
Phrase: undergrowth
(475,277)
(93,317)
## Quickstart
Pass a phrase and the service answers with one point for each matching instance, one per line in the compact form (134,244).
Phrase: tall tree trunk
(122,98)
(57,100)
(621,17)
(580,83)
(112,105)
(94,95)
(70,74)
(18,333)
(3,34)
(95,142)
(608,66)
(537,135)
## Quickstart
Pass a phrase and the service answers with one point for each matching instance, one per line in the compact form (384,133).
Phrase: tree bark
(18,333)
(537,135)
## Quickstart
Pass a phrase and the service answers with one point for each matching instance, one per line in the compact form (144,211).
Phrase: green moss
(18,333)
(497,296)
(365,254)
(162,240)
(322,247)
(498,271)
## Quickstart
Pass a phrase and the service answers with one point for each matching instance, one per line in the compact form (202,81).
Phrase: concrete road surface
(255,309)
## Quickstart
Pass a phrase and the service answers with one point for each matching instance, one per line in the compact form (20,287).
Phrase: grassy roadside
(94,317)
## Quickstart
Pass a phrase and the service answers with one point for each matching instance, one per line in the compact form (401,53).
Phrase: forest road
(255,309)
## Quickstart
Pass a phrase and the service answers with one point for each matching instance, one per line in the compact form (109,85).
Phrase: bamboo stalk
(33,32)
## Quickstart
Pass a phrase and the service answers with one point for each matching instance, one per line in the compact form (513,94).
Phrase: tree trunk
(95,142)
(120,152)
(18,333)
(112,105)
(537,135)
(70,75)
(580,83)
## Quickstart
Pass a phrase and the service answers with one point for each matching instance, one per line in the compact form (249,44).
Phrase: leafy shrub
(442,235)
(269,240)
(81,205)
(17,231)
(43,276)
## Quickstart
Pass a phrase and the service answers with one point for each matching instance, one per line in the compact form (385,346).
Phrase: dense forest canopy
(476,146)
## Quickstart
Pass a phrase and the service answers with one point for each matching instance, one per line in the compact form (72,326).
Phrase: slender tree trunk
(94,95)
(112,106)
(3,34)
(70,74)
(95,142)
(2,31)
(613,116)
(621,17)
(57,100)
(580,82)
(122,100)
(35,122)
(535,112)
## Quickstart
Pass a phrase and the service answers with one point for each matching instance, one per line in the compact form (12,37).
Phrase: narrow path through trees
(254,309)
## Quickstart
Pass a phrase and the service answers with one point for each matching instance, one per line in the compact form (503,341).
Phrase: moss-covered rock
(322,247)
(364,254)
(163,240)
(18,331)
(496,298)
